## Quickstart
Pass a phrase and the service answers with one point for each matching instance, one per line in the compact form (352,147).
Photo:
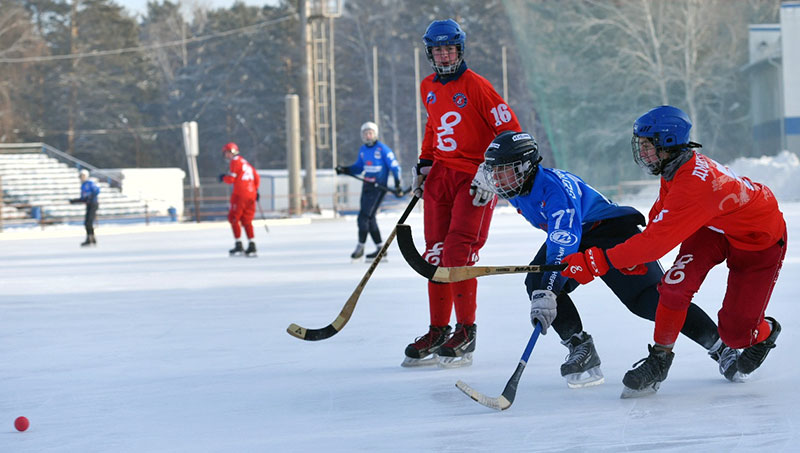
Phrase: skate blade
(589,378)
(738,377)
(409,362)
(628,392)
(455,362)
(252,255)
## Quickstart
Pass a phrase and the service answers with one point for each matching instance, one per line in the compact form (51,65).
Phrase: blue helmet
(444,33)
(666,130)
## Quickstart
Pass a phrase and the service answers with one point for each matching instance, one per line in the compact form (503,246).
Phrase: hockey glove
(342,170)
(398,189)
(543,308)
(420,172)
(585,266)
(222,177)
(639,269)
(481,189)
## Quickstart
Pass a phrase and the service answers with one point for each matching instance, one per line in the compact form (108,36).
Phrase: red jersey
(244,178)
(704,193)
(464,116)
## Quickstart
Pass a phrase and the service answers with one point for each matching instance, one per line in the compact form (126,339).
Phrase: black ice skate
(90,240)
(581,367)
(753,356)
(726,357)
(373,255)
(358,252)
(646,378)
(422,351)
(237,249)
(457,351)
(251,250)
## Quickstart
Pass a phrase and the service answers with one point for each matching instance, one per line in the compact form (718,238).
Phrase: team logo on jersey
(431,98)
(378,153)
(563,237)
(460,100)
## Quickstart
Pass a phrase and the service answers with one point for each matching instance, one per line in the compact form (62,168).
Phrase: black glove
(258,196)
(420,172)
(342,170)
(74,201)
(398,190)
(222,177)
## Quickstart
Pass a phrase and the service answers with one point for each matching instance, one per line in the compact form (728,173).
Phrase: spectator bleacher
(38,185)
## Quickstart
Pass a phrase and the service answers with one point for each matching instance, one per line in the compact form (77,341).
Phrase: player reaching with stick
(577,217)
(715,216)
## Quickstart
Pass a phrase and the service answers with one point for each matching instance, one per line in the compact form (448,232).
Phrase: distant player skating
(376,161)
(89,194)
(245,181)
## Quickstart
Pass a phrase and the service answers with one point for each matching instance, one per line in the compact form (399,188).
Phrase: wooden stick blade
(500,403)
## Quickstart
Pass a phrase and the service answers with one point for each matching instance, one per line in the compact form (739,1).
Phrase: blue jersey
(562,204)
(376,162)
(89,191)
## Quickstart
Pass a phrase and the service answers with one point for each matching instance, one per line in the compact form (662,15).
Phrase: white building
(774,70)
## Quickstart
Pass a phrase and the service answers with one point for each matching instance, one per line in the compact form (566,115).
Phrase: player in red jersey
(245,182)
(715,216)
(464,114)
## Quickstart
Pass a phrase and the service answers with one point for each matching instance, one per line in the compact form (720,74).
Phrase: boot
(373,255)
(89,241)
(581,367)
(646,378)
(457,351)
(726,357)
(251,249)
(423,350)
(237,249)
(754,356)
(358,252)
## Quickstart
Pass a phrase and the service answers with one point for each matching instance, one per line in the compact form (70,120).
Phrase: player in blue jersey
(376,160)
(577,217)
(89,194)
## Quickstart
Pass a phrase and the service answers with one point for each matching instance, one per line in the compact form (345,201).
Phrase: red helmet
(231,147)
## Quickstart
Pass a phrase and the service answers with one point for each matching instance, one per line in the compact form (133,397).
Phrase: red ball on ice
(21,423)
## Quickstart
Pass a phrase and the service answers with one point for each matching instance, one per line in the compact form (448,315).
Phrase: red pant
(751,279)
(455,231)
(242,211)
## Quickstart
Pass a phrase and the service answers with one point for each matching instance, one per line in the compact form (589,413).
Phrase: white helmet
(83,174)
(369,125)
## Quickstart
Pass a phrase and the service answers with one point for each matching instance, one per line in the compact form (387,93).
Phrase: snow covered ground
(156,341)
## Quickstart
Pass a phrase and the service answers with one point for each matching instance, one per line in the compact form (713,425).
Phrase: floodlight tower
(320,91)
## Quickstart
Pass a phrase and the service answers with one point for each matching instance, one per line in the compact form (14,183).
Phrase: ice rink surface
(157,341)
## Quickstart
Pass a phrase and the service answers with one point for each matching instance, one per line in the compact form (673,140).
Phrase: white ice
(157,341)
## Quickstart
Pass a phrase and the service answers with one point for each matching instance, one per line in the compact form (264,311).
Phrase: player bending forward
(715,216)
(577,217)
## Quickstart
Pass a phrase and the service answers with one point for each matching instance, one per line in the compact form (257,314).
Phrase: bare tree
(18,39)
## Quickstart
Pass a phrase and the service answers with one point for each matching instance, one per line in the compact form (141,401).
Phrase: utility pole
(307,96)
